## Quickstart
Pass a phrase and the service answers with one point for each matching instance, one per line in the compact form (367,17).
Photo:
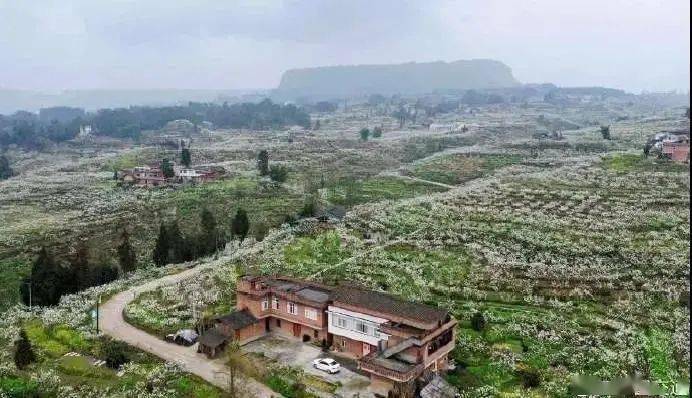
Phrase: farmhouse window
(311,314)
(292,308)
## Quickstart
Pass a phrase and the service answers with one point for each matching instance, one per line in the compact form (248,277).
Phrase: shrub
(16,387)
(529,378)
(478,321)
(23,352)
(605,132)
(278,173)
(309,209)
(114,353)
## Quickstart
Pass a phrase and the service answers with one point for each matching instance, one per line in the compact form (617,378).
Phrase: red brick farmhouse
(395,341)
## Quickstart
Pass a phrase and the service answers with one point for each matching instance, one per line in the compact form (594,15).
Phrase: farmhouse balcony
(421,336)
(439,353)
(260,290)
(390,368)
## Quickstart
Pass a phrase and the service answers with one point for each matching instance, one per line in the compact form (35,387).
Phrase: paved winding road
(113,324)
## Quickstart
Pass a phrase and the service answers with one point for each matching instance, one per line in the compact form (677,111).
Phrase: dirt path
(113,324)
(404,177)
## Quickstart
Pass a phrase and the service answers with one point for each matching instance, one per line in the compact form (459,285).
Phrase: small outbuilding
(212,342)
(241,326)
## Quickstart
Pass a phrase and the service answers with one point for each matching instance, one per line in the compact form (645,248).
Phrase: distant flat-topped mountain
(409,78)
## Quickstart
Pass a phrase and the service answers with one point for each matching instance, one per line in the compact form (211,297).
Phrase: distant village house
(152,176)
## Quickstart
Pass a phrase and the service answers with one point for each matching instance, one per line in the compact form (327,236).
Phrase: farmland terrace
(574,249)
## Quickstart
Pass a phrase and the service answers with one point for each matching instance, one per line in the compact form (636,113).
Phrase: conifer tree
(44,283)
(126,254)
(209,238)
(23,352)
(263,162)
(77,277)
(5,169)
(167,168)
(178,251)
(240,225)
(160,255)
(186,157)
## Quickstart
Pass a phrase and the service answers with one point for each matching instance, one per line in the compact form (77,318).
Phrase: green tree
(100,274)
(5,169)
(240,224)
(261,230)
(178,250)
(605,132)
(44,285)
(209,239)
(185,157)
(530,378)
(160,255)
(364,134)
(278,173)
(23,352)
(263,162)
(114,353)
(478,321)
(309,207)
(167,168)
(78,277)
(126,254)
(377,132)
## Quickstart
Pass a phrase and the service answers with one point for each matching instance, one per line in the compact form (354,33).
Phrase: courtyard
(299,354)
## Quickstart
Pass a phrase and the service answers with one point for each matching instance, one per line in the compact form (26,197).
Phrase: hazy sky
(629,44)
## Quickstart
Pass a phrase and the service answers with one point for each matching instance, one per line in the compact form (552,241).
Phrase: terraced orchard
(577,270)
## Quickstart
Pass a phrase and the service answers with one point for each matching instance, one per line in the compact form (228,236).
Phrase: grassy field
(377,188)
(458,168)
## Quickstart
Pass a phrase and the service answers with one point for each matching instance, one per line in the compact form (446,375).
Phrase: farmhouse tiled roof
(237,319)
(388,304)
(212,338)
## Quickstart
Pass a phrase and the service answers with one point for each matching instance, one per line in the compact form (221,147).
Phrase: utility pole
(98,301)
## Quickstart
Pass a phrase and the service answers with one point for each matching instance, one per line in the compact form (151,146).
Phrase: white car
(326,364)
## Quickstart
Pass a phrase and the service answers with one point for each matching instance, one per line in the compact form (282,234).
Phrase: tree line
(50,278)
(32,131)
(172,246)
